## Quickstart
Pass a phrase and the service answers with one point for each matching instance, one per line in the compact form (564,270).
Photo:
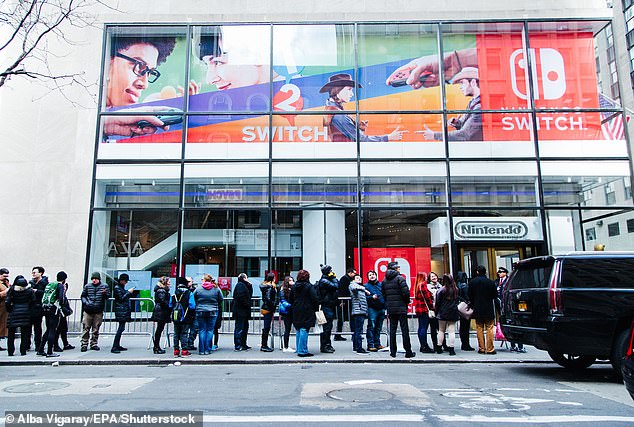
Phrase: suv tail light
(630,347)
(554,293)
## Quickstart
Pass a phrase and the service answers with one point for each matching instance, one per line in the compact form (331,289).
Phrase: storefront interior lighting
(122,183)
(388,180)
(240,181)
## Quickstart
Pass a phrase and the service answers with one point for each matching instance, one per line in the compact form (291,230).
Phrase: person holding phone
(122,311)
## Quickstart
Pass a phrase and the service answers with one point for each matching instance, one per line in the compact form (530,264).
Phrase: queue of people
(197,311)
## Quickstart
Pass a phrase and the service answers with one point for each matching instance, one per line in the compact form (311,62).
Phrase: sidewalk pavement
(139,354)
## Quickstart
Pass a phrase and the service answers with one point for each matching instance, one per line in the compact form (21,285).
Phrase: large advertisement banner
(230,73)
(411,261)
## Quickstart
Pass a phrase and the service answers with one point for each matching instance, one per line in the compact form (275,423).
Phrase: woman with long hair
(162,311)
(447,309)
(286,312)
(433,285)
(269,302)
(305,303)
(423,303)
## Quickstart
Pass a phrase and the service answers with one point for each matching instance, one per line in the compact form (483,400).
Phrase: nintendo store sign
(508,228)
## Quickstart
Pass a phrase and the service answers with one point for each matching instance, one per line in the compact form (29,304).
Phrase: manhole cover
(36,387)
(360,395)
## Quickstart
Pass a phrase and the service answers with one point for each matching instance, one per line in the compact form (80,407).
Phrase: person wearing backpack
(208,298)
(122,311)
(62,327)
(183,312)
(51,307)
(20,303)
(93,300)
(286,312)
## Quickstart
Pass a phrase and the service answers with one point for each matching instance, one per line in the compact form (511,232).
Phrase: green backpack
(49,299)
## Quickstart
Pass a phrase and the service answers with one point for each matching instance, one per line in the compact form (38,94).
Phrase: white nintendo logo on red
(550,68)
(380,266)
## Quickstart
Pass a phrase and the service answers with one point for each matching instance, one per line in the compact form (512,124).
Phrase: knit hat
(393,265)
(124,276)
(181,281)
(95,275)
(325,269)
(20,281)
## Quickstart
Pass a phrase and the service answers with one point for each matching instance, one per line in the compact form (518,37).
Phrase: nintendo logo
(380,266)
(549,64)
(490,230)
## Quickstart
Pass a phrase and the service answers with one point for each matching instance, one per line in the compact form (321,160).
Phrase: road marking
(361,382)
(535,419)
(571,403)
(612,391)
(301,419)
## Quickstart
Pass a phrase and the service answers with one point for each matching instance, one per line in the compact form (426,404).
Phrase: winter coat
(122,310)
(463,291)
(423,301)
(39,293)
(446,309)
(4,288)
(94,297)
(305,303)
(186,298)
(162,311)
(269,297)
(284,297)
(434,288)
(242,295)
(375,288)
(344,286)
(208,298)
(20,304)
(396,293)
(482,296)
(328,290)
(358,298)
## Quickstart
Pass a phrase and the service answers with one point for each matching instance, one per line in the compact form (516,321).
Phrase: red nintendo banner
(411,260)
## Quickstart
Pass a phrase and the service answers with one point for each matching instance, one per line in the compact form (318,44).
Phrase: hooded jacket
(162,309)
(305,302)
(183,294)
(208,298)
(122,311)
(396,293)
(242,295)
(328,290)
(20,304)
(358,298)
(269,296)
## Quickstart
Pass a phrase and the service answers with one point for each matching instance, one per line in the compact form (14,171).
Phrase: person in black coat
(305,302)
(465,324)
(327,288)
(20,304)
(343,314)
(396,293)
(93,299)
(122,311)
(52,314)
(38,285)
(242,295)
(162,312)
(482,295)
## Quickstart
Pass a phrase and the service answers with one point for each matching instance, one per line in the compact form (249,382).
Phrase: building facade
(273,141)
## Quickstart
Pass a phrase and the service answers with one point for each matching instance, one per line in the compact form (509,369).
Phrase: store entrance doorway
(493,257)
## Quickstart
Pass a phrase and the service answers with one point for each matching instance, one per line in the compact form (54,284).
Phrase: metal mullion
(355,45)
(270,135)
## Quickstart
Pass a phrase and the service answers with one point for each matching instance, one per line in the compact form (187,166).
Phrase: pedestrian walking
(396,294)
(162,312)
(376,311)
(305,302)
(242,295)
(269,303)
(328,290)
(20,302)
(482,295)
(447,312)
(423,308)
(286,312)
(207,299)
(359,307)
(93,299)
(122,310)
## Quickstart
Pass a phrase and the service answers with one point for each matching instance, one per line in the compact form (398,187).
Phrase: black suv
(579,307)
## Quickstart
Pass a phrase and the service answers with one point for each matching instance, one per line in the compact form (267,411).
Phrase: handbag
(499,335)
(320,316)
(464,310)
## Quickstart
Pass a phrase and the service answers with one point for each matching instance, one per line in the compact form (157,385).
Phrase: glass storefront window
(287,252)
(230,65)
(226,184)
(314,191)
(389,55)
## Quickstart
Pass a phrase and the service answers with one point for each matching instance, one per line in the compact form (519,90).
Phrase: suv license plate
(522,306)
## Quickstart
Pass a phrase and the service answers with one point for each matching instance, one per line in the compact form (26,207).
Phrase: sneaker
(185,353)
(213,347)
(327,350)
(246,347)
(239,349)
(95,347)
(513,349)
(362,351)
(52,355)
(84,348)
(266,349)
(373,349)
(288,350)
(177,353)
(69,347)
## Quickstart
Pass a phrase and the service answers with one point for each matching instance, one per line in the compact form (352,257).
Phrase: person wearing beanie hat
(93,299)
(327,288)
(66,310)
(396,293)
(54,296)
(20,303)
(122,311)
(344,307)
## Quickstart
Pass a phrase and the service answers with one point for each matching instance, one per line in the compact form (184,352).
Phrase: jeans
(181,335)
(206,323)
(240,332)
(301,341)
(423,323)
(193,332)
(395,320)
(375,324)
(288,324)
(117,337)
(433,331)
(357,335)
(324,337)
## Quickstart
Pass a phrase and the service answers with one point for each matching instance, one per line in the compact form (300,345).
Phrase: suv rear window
(533,275)
(598,273)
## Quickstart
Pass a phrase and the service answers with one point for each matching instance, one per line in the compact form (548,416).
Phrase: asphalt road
(469,394)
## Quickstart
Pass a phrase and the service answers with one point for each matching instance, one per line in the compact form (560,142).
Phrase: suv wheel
(572,361)
(618,352)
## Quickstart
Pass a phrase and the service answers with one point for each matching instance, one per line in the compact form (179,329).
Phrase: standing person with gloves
(396,294)
(122,311)
(269,302)
(328,289)
(162,312)
(242,294)
(376,311)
